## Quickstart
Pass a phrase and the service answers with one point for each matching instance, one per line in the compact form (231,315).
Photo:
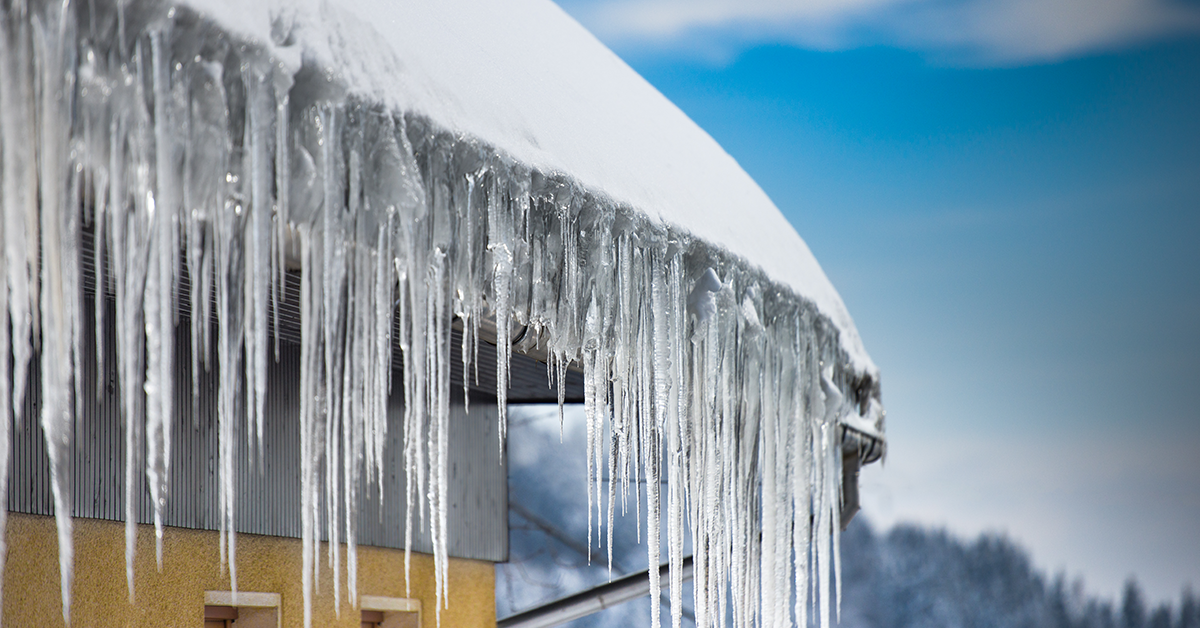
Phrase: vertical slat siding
(28,485)
(268,496)
(478,503)
(268,485)
(478,483)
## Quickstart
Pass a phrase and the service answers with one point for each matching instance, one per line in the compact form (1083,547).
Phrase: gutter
(593,600)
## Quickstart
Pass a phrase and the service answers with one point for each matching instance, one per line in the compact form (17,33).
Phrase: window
(372,619)
(252,610)
(219,616)
(389,612)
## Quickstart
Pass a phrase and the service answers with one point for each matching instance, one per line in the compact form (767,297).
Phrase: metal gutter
(592,600)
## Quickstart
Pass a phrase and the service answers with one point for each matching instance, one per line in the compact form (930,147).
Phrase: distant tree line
(916,577)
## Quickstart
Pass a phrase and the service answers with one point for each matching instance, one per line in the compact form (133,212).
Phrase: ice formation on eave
(191,153)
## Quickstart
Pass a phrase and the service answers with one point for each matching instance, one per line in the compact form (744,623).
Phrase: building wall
(268,496)
(191,566)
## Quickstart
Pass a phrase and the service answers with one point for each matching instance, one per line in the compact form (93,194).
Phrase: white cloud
(958,31)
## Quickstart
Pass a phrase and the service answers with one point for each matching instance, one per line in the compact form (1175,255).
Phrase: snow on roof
(526,78)
(241,146)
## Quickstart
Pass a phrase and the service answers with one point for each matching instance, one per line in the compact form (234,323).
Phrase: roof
(526,78)
(427,166)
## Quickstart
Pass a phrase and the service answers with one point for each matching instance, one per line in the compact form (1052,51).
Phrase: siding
(268,495)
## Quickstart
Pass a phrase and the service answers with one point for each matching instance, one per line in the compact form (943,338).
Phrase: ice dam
(207,149)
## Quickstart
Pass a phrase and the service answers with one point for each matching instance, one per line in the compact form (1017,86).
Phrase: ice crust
(233,159)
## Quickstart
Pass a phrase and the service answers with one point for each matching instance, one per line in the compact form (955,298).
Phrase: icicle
(19,181)
(230,333)
(125,241)
(800,486)
(355,372)
(310,405)
(53,42)
(6,393)
(100,298)
(258,276)
(384,289)
(698,370)
(334,274)
(652,453)
(593,383)
(676,434)
(467,307)
(283,171)
(501,243)
(159,304)
(768,437)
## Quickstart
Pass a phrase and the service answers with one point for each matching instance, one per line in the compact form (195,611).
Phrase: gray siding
(268,495)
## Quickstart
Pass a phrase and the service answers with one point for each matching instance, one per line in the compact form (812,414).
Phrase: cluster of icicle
(164,137)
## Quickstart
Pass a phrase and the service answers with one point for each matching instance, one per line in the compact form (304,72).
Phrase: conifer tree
(1133,606)
(1189,611)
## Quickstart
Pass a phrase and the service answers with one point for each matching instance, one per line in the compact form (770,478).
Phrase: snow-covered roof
(421,165)
(526,78)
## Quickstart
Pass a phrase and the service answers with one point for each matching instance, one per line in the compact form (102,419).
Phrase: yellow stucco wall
(191,566)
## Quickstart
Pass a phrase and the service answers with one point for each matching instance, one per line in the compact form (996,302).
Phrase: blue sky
(1007,197)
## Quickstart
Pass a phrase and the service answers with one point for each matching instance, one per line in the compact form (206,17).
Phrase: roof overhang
(486,163)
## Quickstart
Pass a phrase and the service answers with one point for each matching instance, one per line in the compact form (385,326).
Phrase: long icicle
(698,370)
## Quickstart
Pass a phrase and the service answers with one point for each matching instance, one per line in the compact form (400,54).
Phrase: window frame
(389,605)
(256,600)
